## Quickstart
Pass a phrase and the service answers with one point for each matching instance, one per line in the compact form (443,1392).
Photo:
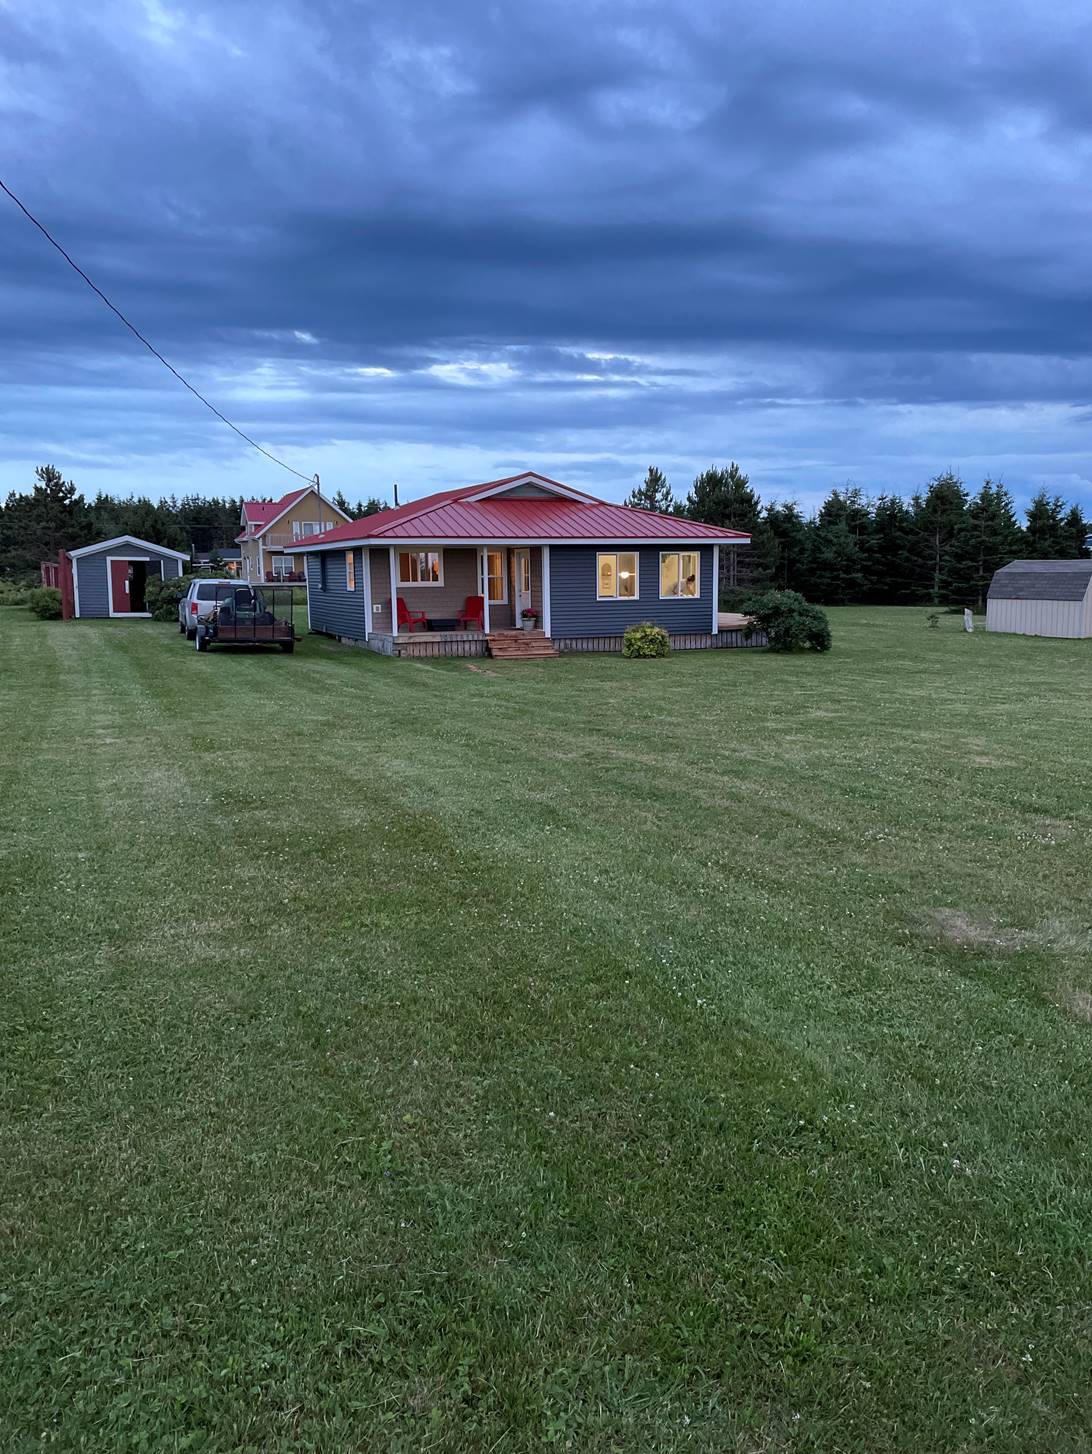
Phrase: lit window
(617,576)
(420,568)
(350,571)
(496,577)
(679,574)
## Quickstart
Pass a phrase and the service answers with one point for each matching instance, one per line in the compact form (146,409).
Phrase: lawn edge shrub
(162,597)
(646,639)
(45,602)
(789,622)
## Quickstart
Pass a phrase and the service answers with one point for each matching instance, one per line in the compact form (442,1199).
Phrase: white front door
(521,571)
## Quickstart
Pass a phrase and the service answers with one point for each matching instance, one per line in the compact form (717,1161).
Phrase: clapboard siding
(336,609)
(92,574)
(575,611)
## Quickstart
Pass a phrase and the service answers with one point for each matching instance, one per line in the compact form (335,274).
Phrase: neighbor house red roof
(260,513)
(567,515)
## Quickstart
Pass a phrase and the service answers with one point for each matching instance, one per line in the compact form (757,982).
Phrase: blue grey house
(520,566)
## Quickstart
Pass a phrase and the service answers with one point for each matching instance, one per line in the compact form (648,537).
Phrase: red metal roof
(455,515)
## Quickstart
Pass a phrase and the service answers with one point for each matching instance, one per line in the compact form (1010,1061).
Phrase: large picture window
(420,567)
(679,574)
(350,571)
(496,577)
(616,576)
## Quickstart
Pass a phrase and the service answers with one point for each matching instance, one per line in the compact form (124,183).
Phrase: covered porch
(454,596)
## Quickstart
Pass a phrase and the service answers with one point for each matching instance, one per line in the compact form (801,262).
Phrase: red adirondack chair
(409,618)
(472,614)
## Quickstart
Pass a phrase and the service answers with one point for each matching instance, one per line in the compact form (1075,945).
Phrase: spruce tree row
(941,546)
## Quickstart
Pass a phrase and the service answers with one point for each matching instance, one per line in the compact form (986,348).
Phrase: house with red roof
(519,566)
(267,526)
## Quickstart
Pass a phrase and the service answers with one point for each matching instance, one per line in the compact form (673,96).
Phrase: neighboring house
(1041,598)
(230,560)
(110,578)
(588,568)
(270,525)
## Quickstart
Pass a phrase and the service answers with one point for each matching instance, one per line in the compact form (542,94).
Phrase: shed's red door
(119,586)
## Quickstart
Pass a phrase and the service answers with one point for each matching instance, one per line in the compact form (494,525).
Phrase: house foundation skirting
(472,643)
(427,643)
(680,641)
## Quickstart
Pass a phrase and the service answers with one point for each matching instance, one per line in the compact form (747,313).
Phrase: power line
(137,334)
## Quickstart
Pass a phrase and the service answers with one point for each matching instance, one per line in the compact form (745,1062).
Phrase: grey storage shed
(1041,598)
(109,578)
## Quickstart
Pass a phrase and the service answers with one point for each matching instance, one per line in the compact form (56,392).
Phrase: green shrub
(646,639)
(162,597)
(45,602)
(14,593)
(790,623)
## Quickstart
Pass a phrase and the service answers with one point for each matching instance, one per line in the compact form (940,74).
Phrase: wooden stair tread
(516,645)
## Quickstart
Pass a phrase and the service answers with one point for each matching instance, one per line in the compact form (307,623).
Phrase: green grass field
(686,1055)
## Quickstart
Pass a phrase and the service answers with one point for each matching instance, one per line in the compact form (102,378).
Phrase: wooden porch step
(520,645)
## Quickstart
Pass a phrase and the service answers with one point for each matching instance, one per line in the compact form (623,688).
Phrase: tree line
(52,515)
(941,546)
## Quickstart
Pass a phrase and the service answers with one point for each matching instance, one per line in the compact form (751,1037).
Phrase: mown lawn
(647,1056)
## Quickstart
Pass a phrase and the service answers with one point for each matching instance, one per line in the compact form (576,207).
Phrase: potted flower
(529,617)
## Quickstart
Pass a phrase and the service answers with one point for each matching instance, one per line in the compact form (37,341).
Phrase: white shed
(1041,598)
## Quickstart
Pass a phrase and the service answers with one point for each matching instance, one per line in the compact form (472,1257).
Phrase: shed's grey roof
(1041,580)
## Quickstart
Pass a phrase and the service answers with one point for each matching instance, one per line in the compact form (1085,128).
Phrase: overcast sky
(442,242)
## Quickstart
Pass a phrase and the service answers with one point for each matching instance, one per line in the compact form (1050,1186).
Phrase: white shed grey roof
(1041,580)
(127,540)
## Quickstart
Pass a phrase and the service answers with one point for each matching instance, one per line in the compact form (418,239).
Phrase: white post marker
(968,619)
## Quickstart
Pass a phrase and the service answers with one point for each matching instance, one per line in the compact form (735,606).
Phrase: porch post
(546,589)
(366,565)
(394,595)
(483,558)
(716,587)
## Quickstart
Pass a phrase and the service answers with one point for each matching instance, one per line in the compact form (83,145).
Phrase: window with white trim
(495,585)
(679,574)
(420,567)
(616,576)
(350,571)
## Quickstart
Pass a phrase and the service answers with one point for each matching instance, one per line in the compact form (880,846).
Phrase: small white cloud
(467,372)
(372,372)
(302,336)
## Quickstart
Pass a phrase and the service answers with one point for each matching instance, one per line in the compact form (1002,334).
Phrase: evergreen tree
(936,520)
(724,497)
(1077,531)
(52,517)
(654,494)
(371,506)
(783,546)
(834,570)
(1045,535)
(988,537)
(342,504)
(894,557)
